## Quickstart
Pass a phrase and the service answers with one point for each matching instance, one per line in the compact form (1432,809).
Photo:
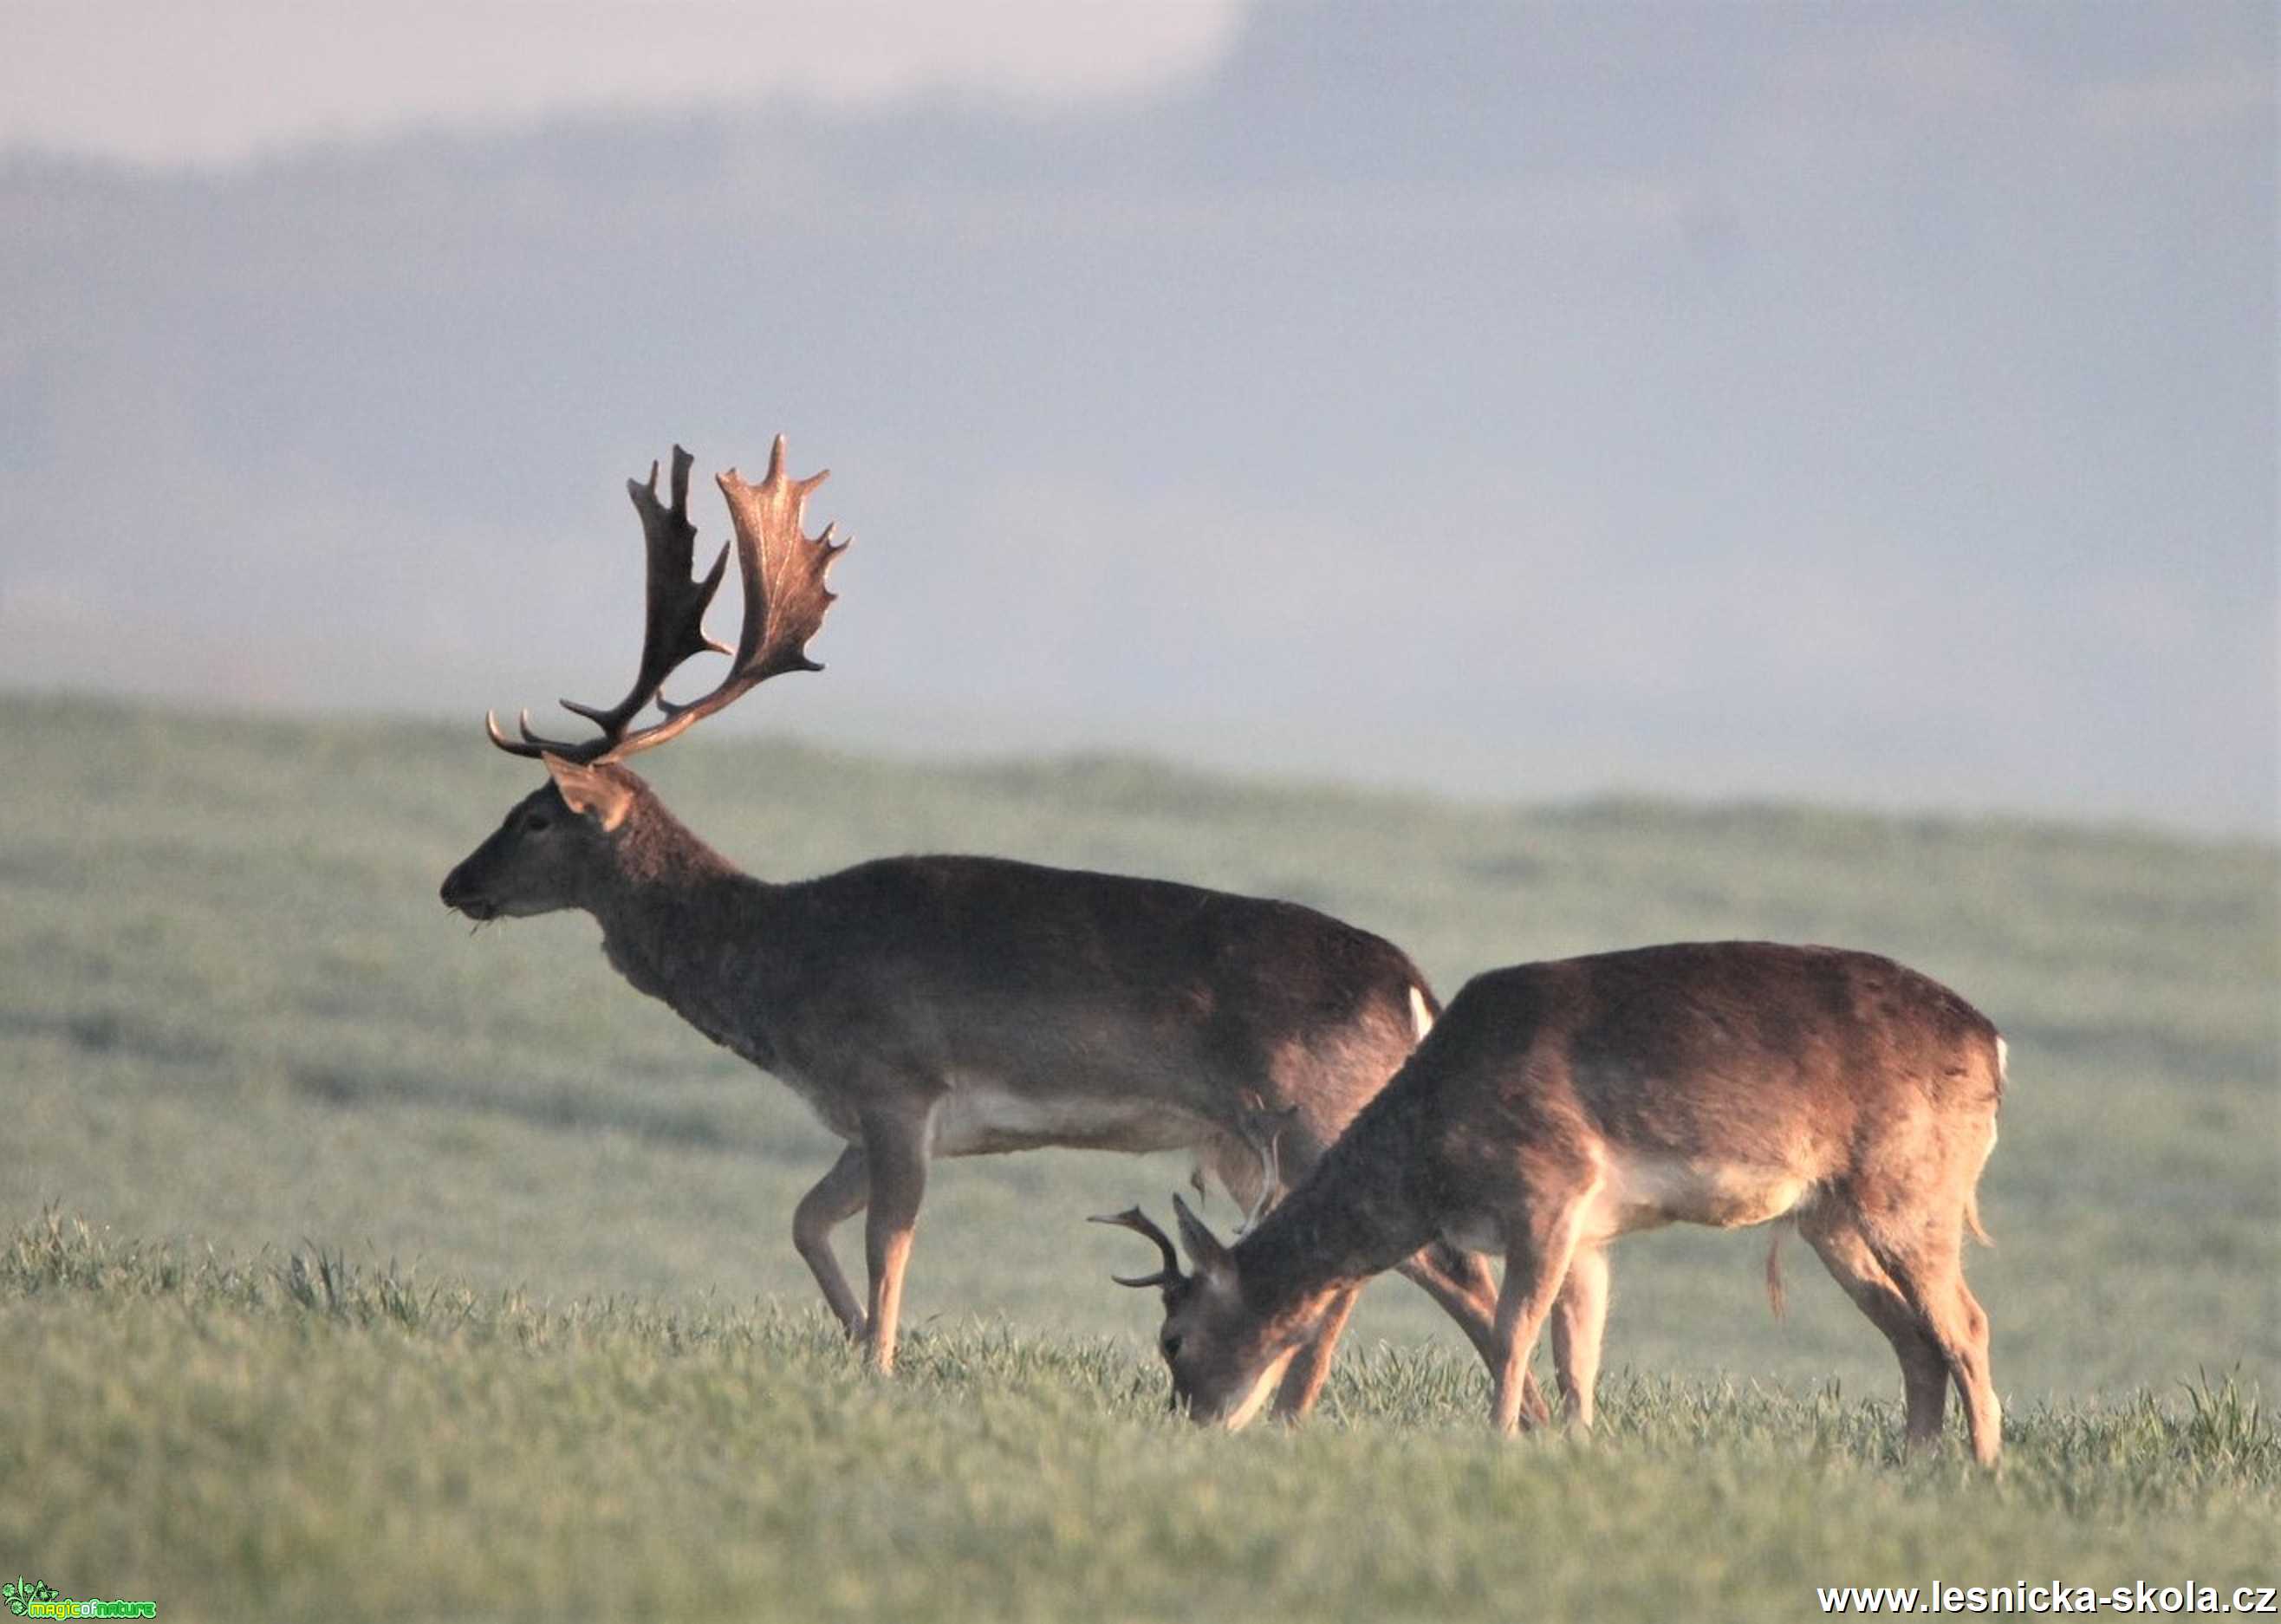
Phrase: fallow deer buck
(1556,1106)
(949,1006)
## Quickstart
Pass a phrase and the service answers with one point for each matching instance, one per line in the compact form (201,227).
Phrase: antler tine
(1271,1174)
(529,747)
(532,745)
(785,599)
(1140,1223)
(673,627)
(1262,1129)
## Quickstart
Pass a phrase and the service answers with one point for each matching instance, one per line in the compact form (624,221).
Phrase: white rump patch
(1421,1017)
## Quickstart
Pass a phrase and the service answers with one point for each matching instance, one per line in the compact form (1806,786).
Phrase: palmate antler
(786,599)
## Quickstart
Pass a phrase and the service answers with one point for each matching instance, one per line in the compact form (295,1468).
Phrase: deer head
(542,856)
(1224,1355)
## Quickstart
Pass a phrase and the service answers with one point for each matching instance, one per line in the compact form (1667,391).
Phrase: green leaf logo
(20,1595)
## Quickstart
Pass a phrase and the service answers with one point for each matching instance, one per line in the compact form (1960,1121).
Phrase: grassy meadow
(355,1265)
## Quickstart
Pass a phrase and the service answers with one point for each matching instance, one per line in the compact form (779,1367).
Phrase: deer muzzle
(461,896)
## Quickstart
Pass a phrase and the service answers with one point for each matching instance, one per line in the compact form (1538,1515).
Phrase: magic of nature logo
(36,1599)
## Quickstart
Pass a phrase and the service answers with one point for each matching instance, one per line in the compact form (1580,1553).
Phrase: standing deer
(950,1005)
(1557,1106)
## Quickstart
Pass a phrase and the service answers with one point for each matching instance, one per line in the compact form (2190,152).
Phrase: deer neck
(682,923)
(1355,1216)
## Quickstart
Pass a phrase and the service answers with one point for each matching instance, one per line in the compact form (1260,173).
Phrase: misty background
(1872,406)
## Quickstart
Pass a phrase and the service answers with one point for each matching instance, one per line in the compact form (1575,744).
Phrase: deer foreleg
(895,1155)
(1540,1241)
(1303,1377)
(1460,1281)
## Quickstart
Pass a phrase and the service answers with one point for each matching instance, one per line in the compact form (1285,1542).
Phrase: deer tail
(1972,1196)
(1972,1218)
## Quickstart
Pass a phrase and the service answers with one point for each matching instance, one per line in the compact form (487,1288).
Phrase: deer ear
(1204,1250)
(588,792)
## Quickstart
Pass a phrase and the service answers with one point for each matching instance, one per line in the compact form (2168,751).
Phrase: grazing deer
(1557,1106)
(949,1006)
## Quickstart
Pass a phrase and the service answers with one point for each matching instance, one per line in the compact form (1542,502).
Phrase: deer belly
(832,1106)
(1474,1232)
(1646,1191)
(978,1119)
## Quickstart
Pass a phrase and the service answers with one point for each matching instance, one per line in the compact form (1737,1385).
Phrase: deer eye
(1171,1345)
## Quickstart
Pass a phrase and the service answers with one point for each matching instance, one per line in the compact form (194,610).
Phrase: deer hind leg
(895,1155)
(1976,1386)
(1303,1377)
(1540,1244)
(1460,1281)
(1579,1315)
(1931,1274)
(1845,1252)
(838,1196)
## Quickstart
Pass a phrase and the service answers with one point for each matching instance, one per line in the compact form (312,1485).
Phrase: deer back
(1723,1083)
(1089,987)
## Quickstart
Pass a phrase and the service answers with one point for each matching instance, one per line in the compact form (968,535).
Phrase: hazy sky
(1871,404)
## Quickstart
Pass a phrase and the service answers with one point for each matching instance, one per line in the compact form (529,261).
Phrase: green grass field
(578,1365)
